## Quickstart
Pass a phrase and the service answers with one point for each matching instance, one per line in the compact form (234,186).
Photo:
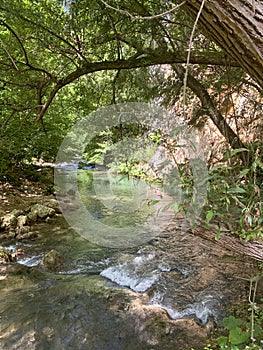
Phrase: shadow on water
(62,312)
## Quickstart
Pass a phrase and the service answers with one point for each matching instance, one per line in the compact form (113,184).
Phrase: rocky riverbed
(59,291)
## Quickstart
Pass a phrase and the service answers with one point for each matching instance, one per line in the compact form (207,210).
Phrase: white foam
(135,274)
(125,277)
(30,262)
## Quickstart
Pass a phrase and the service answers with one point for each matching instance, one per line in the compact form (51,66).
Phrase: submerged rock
(52,261)
(25,233)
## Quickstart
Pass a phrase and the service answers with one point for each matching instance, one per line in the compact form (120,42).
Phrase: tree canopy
(60,59)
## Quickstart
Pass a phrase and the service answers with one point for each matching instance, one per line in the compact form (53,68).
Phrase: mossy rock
(52,261)
(5,256)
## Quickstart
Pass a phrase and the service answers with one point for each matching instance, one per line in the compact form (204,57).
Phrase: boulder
(40,211)
(8,221)
(16,212)
(21,221)
(5,256)
(52,203)
(25,233)
(52,261)
(32,216)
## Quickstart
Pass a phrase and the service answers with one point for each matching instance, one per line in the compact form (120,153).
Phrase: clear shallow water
(112,210)
(62,312)
(179,272)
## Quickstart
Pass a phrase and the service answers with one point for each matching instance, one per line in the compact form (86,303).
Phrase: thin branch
(127,13)
(116,36)
(9,55)
(48,102)
(21,124)
(24,52)
(55,35)
(17,38)
(189,54)
(7,120)
(215,115)
(37,69)
(39,25)
(114,82)
(253,280)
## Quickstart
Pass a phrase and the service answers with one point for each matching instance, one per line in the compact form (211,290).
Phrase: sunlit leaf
(209,215)
(153,202)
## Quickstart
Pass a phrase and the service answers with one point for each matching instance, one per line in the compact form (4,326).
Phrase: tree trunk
(236,26)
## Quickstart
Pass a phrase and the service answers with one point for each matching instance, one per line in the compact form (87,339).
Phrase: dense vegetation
(61,60)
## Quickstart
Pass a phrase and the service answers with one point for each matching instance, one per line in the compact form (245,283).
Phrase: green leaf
(238,336)
(217,236)
(232,322)
(243,173)
(259,163)
(209,215)
(238,150)
(236,190)
(167,206)
(153,202)
(258,331)
(222,341)
(176,208)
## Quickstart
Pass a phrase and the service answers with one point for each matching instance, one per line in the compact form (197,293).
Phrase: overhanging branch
(145,59)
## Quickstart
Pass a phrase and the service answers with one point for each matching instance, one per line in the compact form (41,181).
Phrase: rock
(8,235)
(5,256)
(24,233)
(41,211)
(8,221)
(52,203)
(32,216)
(22,230)
(51,261)
(16,212)
(153,326)
(28,235)
(18,269)
(21,220)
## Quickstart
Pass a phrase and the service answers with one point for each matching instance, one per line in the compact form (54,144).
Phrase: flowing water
(85,304)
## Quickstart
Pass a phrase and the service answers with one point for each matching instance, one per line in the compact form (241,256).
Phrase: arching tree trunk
(237,27)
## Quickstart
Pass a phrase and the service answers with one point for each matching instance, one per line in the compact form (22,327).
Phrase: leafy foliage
(235,197)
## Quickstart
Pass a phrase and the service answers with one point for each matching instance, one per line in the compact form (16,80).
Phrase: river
(165,292)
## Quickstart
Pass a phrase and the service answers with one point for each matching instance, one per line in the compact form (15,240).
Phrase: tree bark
(236,26)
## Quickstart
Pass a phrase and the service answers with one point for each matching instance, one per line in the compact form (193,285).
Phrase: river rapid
(168,292)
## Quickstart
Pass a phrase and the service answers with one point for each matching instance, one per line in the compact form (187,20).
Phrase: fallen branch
(253,249)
